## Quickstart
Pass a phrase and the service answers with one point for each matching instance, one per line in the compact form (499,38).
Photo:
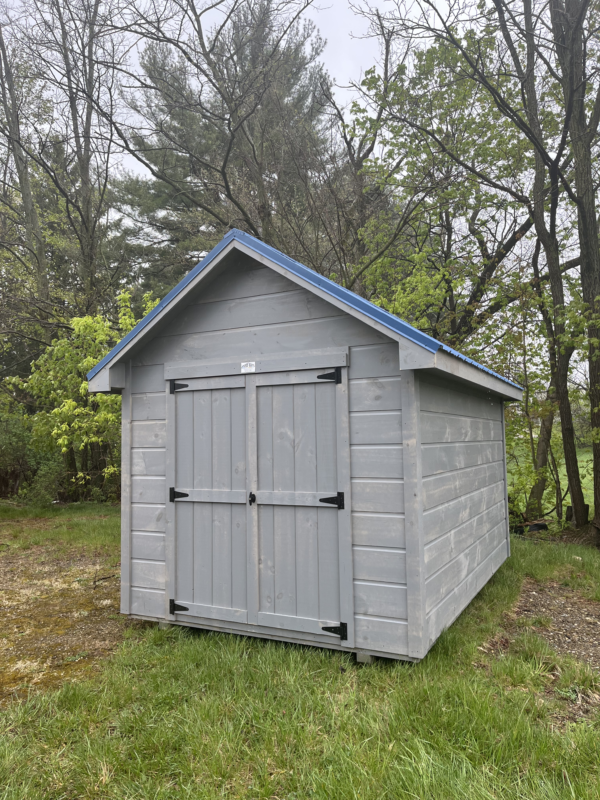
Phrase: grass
(187,714)
(86,524)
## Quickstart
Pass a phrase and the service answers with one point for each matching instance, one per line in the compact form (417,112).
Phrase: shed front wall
(246,312)
(465,524)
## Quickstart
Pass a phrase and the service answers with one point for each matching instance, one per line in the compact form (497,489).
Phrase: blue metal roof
(310,276)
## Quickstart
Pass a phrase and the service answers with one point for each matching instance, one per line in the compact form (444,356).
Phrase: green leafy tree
(84,428)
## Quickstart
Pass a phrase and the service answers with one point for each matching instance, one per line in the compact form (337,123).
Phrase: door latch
(338,500)
(251,498)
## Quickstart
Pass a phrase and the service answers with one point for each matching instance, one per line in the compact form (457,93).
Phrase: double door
(258,521)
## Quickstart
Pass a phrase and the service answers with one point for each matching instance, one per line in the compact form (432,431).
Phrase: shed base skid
(365,658)
(246,630)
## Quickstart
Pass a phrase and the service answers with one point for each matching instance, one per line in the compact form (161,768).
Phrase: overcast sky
(347,54)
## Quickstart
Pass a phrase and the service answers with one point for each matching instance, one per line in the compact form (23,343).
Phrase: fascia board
(110,378)
(451,365)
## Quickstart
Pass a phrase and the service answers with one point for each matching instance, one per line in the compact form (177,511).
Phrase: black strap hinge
(340,630)
(338,500)
(174,607)
(336,375)
(176,386)
(173,495)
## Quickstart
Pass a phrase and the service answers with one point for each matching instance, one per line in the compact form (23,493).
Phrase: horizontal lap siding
(148,443)
(464,520)
(377,471)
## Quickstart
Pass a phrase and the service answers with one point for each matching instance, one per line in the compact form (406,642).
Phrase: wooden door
(208,474)
(303,503)
(258,523)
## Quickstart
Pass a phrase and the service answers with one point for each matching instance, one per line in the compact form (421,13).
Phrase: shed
(300,465)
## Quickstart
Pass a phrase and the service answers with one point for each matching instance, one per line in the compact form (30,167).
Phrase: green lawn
(184,714)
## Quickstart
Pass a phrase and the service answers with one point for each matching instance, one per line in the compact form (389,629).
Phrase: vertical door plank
(266,559)
(203,445)
(329,573)
(184,443)
(305,438)
(239,561)
(221,453)
(203,555)
(326,438)
(264,433)
(284,518)
(222,554)
(305,469)
(307,562)
(284,546)
(283,438)
(221,419)
(253,546)
(202,439)
(238,439)
(239,565)
(184,519)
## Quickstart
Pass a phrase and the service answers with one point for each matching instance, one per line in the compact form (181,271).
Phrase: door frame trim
(169,507)
(320,359)
(268,362)
(346,568)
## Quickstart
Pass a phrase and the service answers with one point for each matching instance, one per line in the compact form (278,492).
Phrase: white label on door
(248,366)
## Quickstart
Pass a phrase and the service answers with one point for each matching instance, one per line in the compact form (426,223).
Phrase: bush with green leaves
(76,434)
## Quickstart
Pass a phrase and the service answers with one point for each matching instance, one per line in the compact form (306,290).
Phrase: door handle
(251,498)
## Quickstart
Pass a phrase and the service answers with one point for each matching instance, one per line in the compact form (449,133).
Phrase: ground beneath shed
(59,614)
(59,607)
(569,622)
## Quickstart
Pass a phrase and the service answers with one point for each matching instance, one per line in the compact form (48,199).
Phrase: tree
(503,52)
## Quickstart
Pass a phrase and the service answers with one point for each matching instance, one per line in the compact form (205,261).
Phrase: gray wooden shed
(300,465)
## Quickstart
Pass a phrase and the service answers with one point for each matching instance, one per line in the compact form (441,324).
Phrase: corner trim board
(413,514)
(126,493)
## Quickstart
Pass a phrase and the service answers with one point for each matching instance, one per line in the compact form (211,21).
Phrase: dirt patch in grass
(569,622)
(59,611)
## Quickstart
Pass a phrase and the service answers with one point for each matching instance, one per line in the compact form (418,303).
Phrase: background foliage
(133,136)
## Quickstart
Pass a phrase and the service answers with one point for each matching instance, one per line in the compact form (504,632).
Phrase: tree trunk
(563,357)
(33,230)
(536,495)
(568,21)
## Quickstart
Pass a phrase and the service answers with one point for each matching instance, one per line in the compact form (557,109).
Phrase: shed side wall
(465,523)
(245,313)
